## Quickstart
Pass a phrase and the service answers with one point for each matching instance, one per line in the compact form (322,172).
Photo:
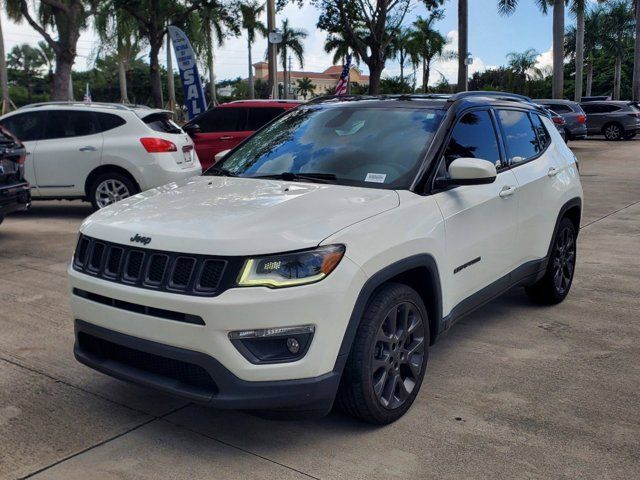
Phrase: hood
(237,216)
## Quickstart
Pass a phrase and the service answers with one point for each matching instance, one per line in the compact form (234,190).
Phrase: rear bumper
(14,198)
(195,376)
(577,132)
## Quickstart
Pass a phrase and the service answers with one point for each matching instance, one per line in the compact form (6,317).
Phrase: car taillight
(582,119)
(158,145)
(558,120)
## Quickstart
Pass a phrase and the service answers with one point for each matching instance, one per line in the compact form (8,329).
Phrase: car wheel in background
(388,358)
(556,283)
(613,131)
(110,188)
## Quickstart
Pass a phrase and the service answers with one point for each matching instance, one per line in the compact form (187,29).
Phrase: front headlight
(291,269)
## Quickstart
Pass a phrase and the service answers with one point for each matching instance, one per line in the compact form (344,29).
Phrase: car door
(480,220)
(28,127)
(221,128)
(595,117)
(70,149)
(533,158)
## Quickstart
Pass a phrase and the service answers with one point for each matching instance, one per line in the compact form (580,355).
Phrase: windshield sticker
(376,177)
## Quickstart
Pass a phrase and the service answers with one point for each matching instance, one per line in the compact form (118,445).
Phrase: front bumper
(14,198)
(195,376)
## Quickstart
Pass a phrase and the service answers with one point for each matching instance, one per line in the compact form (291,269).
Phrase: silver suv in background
(575,127)
(615,120)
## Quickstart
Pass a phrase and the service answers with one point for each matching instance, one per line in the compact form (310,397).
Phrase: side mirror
(191,128)
(468,171)
(219,156)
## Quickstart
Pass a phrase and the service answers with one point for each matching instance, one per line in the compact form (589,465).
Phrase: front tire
(554,287)
(110,188)
(388,358)
(613,131)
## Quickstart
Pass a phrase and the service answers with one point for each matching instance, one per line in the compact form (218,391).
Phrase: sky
(491,38)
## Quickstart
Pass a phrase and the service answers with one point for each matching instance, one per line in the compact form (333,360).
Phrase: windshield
(375,147)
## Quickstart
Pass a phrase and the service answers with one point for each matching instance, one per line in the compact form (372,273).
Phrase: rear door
(596,116)
(533,160)
(221,129)
(27,127)
(70,149)
(480,220)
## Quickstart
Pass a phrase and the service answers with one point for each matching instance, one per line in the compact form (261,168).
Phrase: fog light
(293,345)
(273,345)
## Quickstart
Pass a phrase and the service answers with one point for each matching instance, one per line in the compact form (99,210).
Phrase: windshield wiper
(221,172)
(308,177)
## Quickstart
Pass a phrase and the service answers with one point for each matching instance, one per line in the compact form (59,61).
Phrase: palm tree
(635,89)
(251,13)
(49,59)
(578,9)
(27,59)
(523,66)
(617,31)
(339,45)
(463,50)
(291,40)
(401,49)
(305,86)
(4,79)
(507,7)
(427,44)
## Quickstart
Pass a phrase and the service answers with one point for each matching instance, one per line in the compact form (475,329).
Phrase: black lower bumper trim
(309,394)
(14,198)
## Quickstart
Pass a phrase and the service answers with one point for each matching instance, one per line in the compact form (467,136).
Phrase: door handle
(226,138)
(88,148)
(553,171)
(507,191)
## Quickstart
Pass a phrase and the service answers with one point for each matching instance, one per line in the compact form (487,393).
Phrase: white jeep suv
(326,254)
(100,152)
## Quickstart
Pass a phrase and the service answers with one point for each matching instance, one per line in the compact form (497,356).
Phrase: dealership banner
(194,97)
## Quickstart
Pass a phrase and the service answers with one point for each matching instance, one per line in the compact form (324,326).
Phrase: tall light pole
(273,49)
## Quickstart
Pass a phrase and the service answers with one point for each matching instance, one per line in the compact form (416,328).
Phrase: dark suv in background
(14,189)
(614,119)
(575,127)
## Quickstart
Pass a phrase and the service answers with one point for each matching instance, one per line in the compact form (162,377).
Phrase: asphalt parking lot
(513,391)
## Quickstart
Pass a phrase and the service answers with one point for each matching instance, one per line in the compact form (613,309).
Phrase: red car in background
(226,125)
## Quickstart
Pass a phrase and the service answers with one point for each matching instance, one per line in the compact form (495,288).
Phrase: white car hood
(237,216)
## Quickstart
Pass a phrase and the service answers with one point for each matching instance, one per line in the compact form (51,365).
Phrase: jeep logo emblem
(143,240)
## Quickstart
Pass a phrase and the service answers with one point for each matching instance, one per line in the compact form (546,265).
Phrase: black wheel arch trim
(380,278)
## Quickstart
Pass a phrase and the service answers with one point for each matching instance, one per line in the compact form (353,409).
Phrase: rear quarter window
(109,121)
(161,122)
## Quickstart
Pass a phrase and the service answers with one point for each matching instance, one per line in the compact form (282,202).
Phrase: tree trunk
(122,80)
(4,81)
(558,49)
(425,76)
(589,77)
(402,70)
(375,72)
(463,31)
(62,78)
(212,75)
(635,89)
(617,78)
(285,82)
(171,88)
(252,91)
(154,71)
(579,54)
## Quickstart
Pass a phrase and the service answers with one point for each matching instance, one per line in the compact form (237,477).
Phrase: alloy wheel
(111,191)
(398,355)
(612,132)
(564,260)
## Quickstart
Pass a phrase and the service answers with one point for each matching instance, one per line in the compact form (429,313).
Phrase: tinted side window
(161,122)
(519,135)
(259,117)
(108,121)
(559,108)
(25,126)
(610,108)
(222,120)
(473,137)
(589,108)
(543,135)
(70,123)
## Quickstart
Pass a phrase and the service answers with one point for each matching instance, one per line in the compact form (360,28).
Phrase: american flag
(343,83)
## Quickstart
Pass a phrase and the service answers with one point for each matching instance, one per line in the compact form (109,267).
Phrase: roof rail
(395,96)
(117,106)
(514,97)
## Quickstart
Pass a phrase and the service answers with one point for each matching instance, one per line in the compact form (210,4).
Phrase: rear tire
(554,287)
(110,188)
(612,131)
(388,358)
